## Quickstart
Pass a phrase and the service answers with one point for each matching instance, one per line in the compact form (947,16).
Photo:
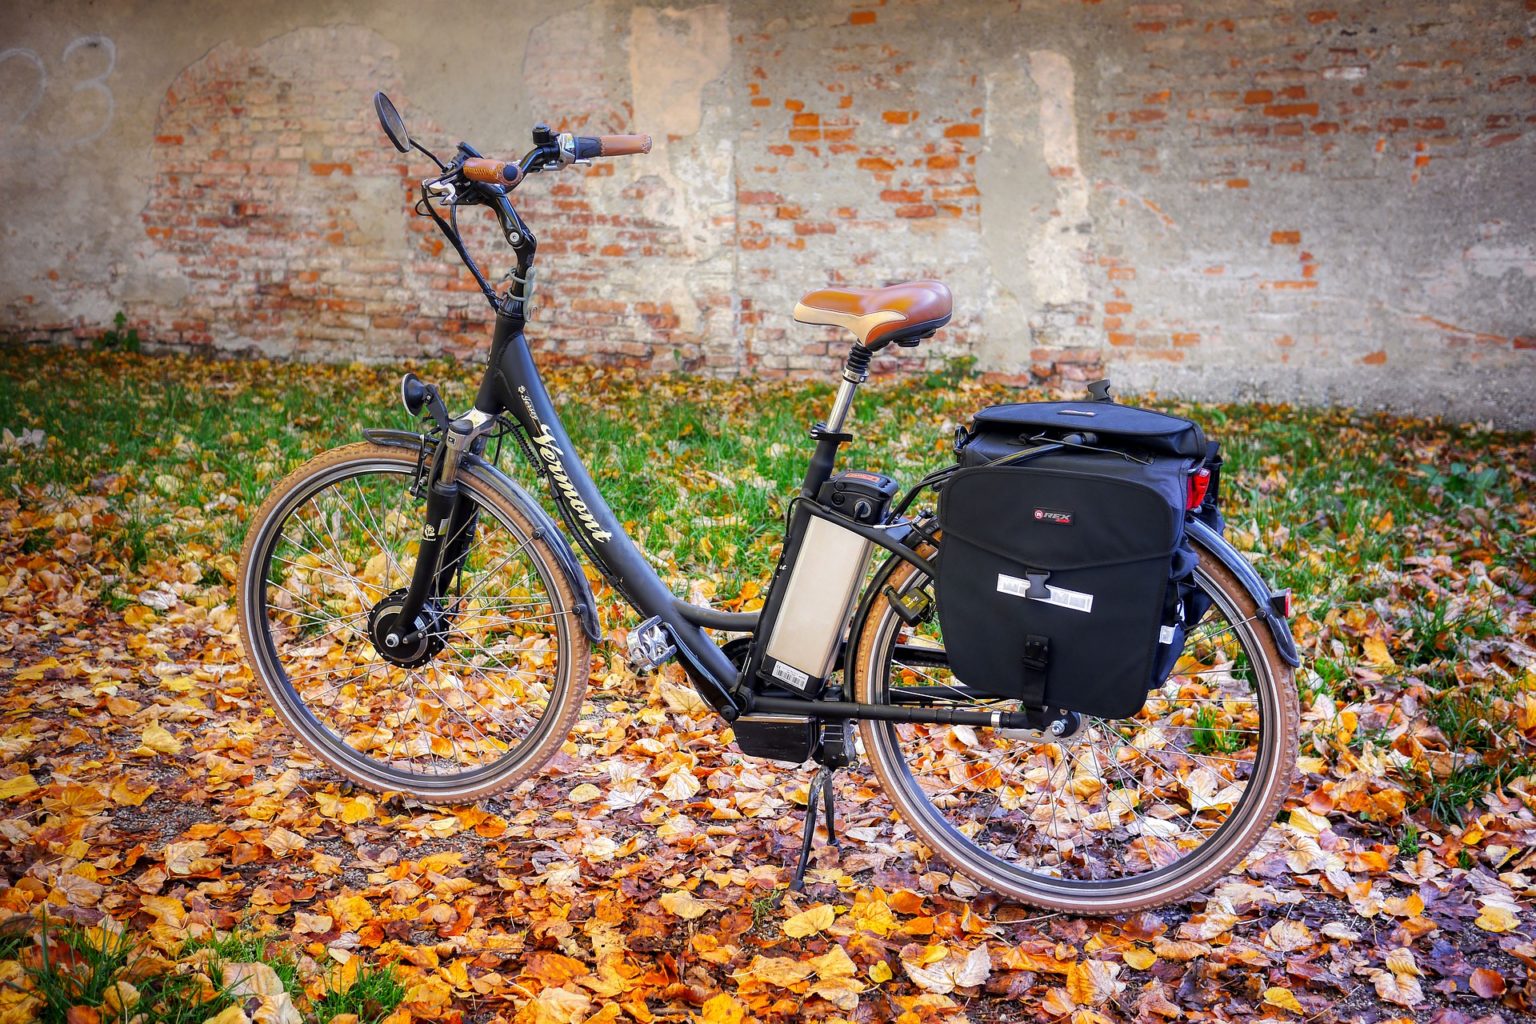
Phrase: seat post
(855,372)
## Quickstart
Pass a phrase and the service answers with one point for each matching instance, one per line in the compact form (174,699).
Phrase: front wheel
(1121,815)
(480,702)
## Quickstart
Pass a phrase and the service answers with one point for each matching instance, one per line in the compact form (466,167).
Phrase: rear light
(1281,603)
(1199,483)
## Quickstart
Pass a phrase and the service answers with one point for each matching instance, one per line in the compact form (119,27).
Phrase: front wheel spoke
(497,665)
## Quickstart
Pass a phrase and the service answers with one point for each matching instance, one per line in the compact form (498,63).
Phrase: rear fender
(1252,582)
(545,527)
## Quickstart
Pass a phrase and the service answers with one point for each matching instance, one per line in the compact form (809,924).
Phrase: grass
(371,996)
(1206,736)
(67,966)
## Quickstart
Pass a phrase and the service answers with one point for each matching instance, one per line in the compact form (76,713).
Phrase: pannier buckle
(1037,588)
(1037,653)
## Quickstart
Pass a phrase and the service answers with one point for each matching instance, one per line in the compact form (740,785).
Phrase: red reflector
(1199,483)
(1281,603)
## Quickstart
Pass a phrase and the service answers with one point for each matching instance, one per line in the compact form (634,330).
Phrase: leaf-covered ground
(155,815)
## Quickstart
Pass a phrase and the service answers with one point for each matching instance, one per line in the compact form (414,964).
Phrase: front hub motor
(406,644)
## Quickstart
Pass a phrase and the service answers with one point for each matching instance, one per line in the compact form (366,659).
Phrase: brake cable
(452,233)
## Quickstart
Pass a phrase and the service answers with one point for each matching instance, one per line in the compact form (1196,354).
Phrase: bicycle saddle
(903,313)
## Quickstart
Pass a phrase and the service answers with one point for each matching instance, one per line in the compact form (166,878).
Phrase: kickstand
(819,797)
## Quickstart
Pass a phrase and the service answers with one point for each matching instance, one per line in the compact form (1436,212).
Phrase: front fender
(1234,561)
(513,492)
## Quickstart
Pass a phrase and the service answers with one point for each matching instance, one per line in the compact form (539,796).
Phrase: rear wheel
(480,702)
(1124,813)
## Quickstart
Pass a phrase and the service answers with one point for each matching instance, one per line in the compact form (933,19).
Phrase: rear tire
(484,705)
(1227,738)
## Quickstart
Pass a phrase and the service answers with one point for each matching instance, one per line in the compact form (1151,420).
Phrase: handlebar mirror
(391,122)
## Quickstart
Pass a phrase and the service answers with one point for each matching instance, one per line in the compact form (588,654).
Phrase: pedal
(650,646)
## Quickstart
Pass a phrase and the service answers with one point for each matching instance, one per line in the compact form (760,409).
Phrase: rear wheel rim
(1072,878)
(474,713)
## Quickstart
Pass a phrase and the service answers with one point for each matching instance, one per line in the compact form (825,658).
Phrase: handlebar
(586,146)
(492,172)
(559,150)
(492,182)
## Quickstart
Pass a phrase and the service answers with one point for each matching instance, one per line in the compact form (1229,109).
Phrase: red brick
(962,131)
(1285,238)
(861,18)
(1291,110)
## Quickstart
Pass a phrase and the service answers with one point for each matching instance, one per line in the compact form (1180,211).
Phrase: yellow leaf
(1402,989)
(1305,821)
(231,1014)
(809,922)
(351,912)
(1496,917)
(1283,998)
(1383,522)
(283,842)
(1139,958)
(158,740)
(1091,982)
(19,785)
(125,795)
(33,673)
(1376,653)
(782,971)
(880,973)
(932,954)
(834,963)
(1400,961)
(685,905)
(585,793)
(356,810)
(1288,936)
(723,1009)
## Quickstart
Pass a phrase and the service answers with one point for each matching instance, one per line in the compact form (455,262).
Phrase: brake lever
(441,188)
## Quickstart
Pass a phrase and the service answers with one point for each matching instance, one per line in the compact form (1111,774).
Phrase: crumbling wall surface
(1247,200)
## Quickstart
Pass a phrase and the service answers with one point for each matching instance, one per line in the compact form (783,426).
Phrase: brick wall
(1326,202)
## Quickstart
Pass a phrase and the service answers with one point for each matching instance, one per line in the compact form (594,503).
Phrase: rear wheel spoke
(1139,802)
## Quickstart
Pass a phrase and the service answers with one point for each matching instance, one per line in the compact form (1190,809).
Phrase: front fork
(448,530)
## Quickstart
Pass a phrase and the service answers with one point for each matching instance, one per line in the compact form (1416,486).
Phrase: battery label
(788,674)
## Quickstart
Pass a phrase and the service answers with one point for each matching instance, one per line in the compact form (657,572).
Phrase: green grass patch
(372,996)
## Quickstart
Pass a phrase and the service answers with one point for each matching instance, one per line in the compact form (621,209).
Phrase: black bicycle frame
(512,386)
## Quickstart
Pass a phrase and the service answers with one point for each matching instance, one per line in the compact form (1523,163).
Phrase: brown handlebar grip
(492,172)
(623,145)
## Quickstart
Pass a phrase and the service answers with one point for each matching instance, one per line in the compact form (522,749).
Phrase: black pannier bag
(1065,576)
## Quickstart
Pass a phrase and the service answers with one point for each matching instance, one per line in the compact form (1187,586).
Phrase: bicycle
(422,623)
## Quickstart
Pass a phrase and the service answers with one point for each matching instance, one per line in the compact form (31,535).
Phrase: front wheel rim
(460,705)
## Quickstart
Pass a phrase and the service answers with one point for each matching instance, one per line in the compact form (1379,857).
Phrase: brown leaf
(1487,983)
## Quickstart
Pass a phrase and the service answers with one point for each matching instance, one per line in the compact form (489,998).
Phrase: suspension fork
(450,521)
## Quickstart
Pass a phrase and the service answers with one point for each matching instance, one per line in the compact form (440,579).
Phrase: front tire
(1130,813)
(482,704)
